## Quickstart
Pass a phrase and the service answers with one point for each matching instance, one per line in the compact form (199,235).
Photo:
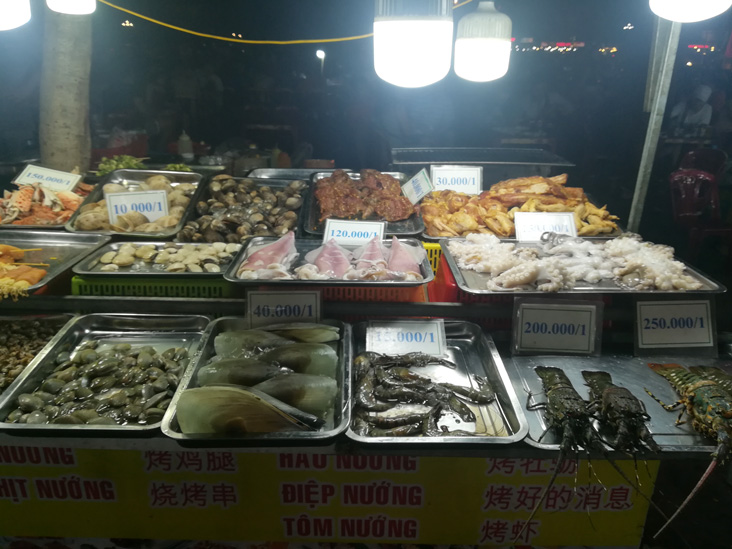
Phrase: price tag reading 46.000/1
(405,336)
(275,307)
(556,328)
(674,324)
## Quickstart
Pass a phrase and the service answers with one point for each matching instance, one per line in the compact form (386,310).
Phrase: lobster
(722,378)
(569,414)
(710,409)
(621,410)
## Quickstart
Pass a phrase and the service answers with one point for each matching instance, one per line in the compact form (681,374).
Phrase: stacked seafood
(239,209)
(105,385)
(20,341)
(561,262)
(15,275)
(169,257)
(374,261)
(36,204)
(392,400)
(94,216)
(275,379)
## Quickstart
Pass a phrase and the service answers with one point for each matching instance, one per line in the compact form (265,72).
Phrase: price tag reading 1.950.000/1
(531,225)
(557,327)
(353,233)
(674,324)
(151,204)
(405,336)
(51,179)
(277,307)
(464,179)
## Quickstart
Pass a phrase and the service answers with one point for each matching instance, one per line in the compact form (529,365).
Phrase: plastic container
(185,147)
(151,287)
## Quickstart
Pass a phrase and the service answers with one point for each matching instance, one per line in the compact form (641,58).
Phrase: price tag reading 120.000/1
(353,233)
(405,336)
(151,204)
(276,307)
(674,324)
(557,327)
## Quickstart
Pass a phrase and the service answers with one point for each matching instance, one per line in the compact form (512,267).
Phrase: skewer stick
(30,250)
(34,264)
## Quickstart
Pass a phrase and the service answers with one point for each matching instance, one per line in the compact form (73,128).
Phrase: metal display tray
(475,283)
(333,427)
(306,245)
(627,371)
(59,250)
(287,173)
(473,155)
(90,265)
(159,331)
(474,354)
(132,179)
(412,226)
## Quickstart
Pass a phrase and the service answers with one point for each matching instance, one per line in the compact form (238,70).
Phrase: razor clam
(308,332)
(237,371)
(305,358)
(243,343)
(311,393)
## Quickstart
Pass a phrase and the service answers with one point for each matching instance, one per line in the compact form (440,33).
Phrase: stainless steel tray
(159,331)
(626,371)
(333,427)
(303,247)
(132,179)
(59,250)
(474,354)
(90,265)
(475,283)
(287,173)
(412,226)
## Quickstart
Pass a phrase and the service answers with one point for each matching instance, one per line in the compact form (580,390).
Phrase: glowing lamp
(483,45)
(73,7)
(689,11)
(14,13)
(412,41)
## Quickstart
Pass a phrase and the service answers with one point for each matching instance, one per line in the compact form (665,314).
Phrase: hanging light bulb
(483,45)
(413,41)
(14,13)
(689,11)
(73,7)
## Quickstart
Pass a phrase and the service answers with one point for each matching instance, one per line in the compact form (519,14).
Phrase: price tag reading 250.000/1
(556,328)
(276,307)
(674,324)
(405,336)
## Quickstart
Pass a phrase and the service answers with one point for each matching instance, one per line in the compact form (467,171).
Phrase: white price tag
(151,204)
(556,327)
(51,179)
(418,187)
(406,336)
(353,233)
(531,225)
(283,306)
(673,324)
(465,179)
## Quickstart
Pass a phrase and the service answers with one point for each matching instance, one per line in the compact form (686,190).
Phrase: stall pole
(665,44)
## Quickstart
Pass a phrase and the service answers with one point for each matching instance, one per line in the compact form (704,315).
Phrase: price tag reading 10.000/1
(557,327)
(151,204)
(404,336)
(673,324)
(276,307)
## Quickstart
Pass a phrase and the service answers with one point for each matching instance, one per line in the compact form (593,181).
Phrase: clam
(168,221)
(149,228)
(107,258)
(127,249)
(92,220)
(110,268)
(123,260)
(157,183)
(177,198)
(130,220)
(212,268)
(175,268)
(186,188)
(110,188)
(145,252)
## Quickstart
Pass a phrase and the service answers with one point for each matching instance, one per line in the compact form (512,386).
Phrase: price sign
(406,336)
(674,324)
(353,233)
(560,327)
(152,204)
(418,187)
(531,225)
(268,307)
(465,179)
(51,179)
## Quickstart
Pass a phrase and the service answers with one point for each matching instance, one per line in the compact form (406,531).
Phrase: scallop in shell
(154,227)
(157,183)
(123,260)
(110,188)
(168,221)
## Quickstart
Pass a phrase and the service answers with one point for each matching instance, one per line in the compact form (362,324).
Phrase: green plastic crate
(152,287)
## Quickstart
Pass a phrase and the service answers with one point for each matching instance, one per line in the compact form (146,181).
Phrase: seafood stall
(162,407)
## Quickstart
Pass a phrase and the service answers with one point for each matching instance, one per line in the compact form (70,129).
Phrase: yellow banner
(223,494)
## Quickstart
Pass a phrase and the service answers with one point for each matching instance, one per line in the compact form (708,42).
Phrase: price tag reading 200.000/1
(405,336)
(557,327)
(276,307)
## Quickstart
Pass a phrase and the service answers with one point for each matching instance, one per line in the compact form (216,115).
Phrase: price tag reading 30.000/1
(405,336)
(557,327)
(674,324)
(276,307)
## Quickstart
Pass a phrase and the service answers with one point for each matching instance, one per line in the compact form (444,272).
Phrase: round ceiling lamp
(413,41)
(483,44)
(689,11)
(14,13)
(73,7)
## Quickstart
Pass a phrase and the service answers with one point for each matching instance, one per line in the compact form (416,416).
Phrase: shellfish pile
(94,216)
(116,385)
(169,257)
(238,209)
